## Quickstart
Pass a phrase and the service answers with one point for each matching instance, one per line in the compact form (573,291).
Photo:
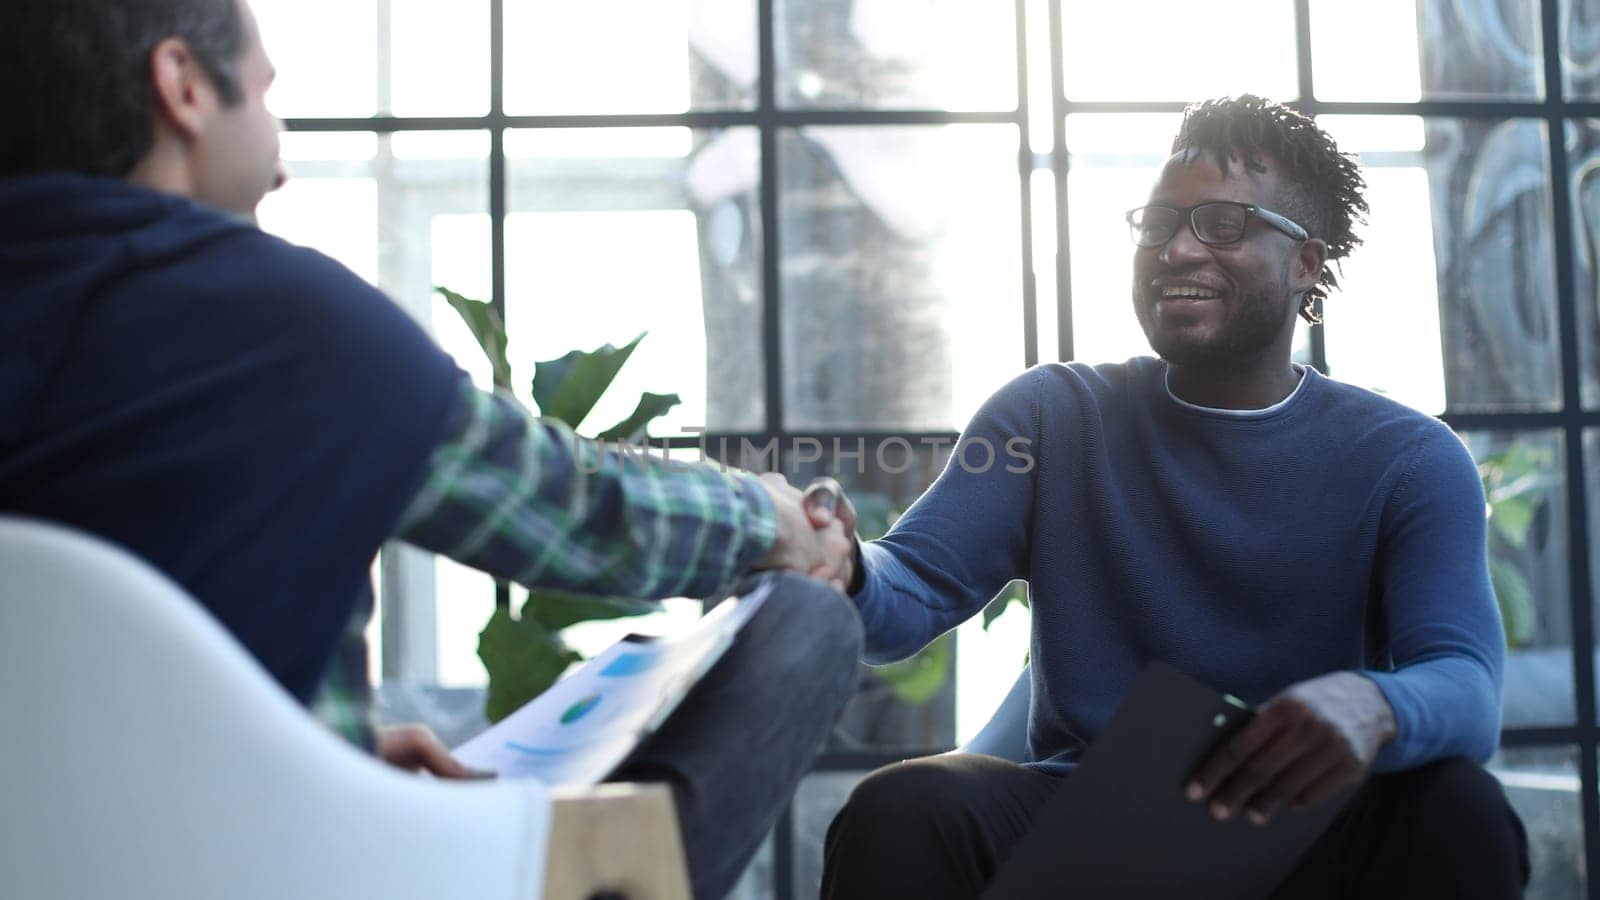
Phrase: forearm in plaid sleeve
(525,499)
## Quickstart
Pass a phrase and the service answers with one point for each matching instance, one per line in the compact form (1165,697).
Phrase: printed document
(583,727)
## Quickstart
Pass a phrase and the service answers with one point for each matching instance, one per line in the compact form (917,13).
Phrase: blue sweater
(1336,530)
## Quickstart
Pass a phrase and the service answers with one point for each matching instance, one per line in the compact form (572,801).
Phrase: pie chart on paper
(580,709)
(588,723)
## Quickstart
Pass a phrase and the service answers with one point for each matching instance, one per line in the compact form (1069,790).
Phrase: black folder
(1121,827)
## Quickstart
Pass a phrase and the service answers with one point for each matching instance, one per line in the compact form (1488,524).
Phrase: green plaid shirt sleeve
(344,701)
(527,500)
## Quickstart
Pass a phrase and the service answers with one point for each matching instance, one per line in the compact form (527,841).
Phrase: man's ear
(1309,259)
(184,96)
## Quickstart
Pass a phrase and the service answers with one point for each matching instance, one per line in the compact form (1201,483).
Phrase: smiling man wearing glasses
(1310,547)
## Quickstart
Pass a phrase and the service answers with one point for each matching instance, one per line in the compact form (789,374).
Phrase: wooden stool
(615,841)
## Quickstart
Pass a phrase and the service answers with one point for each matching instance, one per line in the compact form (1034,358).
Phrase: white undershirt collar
(1239,413)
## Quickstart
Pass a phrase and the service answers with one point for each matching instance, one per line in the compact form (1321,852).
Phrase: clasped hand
(816,536)
(816,530)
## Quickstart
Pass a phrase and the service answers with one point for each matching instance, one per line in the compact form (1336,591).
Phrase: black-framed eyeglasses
(1217,223)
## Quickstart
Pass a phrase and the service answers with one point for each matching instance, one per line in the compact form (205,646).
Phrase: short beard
(1249,330)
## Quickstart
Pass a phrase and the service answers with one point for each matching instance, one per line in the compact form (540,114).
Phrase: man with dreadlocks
(1310,547)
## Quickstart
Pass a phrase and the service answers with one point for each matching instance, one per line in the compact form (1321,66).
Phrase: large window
(852,219)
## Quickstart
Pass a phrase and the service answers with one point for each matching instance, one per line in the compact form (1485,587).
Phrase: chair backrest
(1006,733)
(146,754)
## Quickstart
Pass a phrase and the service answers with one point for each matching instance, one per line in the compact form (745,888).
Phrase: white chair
(145,754)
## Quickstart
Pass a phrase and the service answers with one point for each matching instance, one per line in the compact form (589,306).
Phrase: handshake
(816,531)
(816,537)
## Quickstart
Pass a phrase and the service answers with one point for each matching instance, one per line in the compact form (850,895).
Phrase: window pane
(438,58)
(1425,50)
(1584,140)
(901,273)
(1524,478)
(942,54)
(629,56)
(376,204)
(1543,786)
(1382,325)
(1470,199)
(365,57)
(1580,50)
(327,69)
(614,232)
(1148,49)
(330,201)
(1114,161)
(465,598)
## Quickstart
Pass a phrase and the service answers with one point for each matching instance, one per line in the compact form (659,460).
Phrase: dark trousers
(737,747)
(939,828)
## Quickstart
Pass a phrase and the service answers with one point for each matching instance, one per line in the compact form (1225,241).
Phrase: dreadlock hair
(1324,185)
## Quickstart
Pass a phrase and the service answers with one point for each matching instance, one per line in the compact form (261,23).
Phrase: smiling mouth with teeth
(1188,292)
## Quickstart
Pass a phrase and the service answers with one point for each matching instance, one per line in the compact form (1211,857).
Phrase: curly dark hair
(1325,185)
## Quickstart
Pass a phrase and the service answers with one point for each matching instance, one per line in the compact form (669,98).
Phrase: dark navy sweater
(247,415)
(1337,530)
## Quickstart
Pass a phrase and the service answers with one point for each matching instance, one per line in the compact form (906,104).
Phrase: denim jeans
(737,747)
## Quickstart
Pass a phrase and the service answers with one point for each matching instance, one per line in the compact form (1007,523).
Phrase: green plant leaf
(568,388)
(917,680)
(1527,484)
(486,327)
(634,426)
(1520,471)
(1515,598)
(556,610)
(1517,483)
(1511,519)
(525,654)
(523,658)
